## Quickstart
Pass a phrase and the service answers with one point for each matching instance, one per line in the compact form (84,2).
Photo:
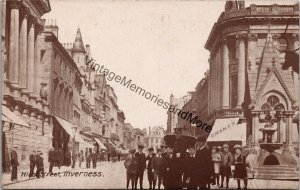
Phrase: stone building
(156,137)
(197,105)
(128,136)
(172,121)
(26,112)
(247,85)
(60,78)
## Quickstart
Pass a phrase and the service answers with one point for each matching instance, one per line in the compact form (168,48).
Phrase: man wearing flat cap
(131,168)
(205,165)
(150,172)
(14,163)
(141,161)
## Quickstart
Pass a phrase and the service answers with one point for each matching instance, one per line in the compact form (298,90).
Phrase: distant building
(156,137)
(172,121)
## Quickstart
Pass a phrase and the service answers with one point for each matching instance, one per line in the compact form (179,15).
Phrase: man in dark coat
(60,157)
(179,152)
(94,158)
(150,172)
(205,165)
(190,172)
(169,167)
(51,159)
(32,160)
(40,165)
(131,165)
(141,161)
(14,164)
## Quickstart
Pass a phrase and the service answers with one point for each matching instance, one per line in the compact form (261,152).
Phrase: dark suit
(169,168)
(205,166)
(141,161)
(190,171)
(150,173)
(14,165)
(51,159)
(40,167)
(32,160)
(180,146)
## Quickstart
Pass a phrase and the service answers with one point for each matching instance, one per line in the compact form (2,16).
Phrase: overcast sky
(158,44)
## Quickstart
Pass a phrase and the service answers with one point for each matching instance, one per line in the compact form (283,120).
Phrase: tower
(78,52)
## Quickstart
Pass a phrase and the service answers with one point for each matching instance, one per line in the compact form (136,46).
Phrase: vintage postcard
(150,94)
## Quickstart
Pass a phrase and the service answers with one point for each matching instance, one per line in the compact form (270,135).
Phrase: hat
(191,146)
(219,147)
(132,151)
(225,146)
(214,147)
(150,149)
(140,146)
(237,146)
(158,150)
(163,145)
(178,130)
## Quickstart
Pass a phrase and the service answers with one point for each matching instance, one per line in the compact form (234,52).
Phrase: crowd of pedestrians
(193,167)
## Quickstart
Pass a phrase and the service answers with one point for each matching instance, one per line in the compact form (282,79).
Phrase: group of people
(175,168)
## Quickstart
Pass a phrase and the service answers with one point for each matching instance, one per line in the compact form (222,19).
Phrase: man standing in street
(226,162)
(14,164)
(51,159)
(40,165)
(32,160)
(74,159)
(205,165)
(149,167)
(131,169)
(94,158)
(190,172)
(141,160)
(179,152)
(157,165)
(80,158)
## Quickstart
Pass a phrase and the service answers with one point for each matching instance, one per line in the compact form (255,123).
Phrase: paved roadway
(113,176)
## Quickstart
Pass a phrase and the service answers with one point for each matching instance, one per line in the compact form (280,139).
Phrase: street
(113,177)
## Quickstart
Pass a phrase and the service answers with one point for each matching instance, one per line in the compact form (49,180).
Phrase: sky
(158,44)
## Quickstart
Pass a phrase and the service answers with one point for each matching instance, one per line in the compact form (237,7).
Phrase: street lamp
(74,129)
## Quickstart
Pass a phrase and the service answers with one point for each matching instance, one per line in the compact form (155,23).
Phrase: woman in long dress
(240,172)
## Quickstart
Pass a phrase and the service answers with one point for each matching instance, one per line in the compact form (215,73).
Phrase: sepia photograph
(150,94)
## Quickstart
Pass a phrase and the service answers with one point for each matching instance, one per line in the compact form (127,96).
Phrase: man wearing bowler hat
(141,161)
(150,172)
(205,165)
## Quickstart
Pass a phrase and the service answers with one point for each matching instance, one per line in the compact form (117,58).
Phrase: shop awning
(66,125)
(101,145)
(12,117)
(228,129)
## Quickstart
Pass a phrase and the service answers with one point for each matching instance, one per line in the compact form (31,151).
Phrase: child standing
(216,158)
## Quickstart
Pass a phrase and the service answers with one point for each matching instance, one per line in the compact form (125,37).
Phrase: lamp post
(74,129)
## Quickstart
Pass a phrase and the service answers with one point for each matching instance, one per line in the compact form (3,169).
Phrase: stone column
(241,71)
(296,75)
(225,62)
(30,57)
(37,58)
(289,131)
(14,42)
(252,43)
(23,50)
(255,121)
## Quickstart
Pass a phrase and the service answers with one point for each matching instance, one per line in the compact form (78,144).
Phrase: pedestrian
(179,151)
(14,164)
(190,172)
(60,157)
(32,160)
(131,165)
(119,157)
(108,156)
(141,161)
(40,165)
(94,159)
(86,154)
(80,158)
(150,172)
(74,159)
(205,165)
(157,168)
(68,157)
(226,162)
(169,168)
(240,172)
(216,158)
(51,159)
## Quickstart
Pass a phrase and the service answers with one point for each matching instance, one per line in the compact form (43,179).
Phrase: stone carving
(44,91)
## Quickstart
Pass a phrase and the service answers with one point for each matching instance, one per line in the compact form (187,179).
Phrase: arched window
(272,104)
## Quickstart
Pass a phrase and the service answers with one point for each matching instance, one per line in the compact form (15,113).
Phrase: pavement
(112,175)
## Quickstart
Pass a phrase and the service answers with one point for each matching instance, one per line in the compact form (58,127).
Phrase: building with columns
(246,82)
(28,118)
